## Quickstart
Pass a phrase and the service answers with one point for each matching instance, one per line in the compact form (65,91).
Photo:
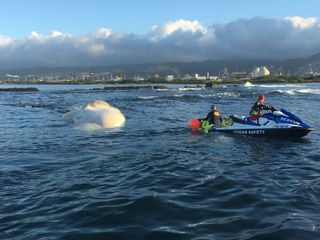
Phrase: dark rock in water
(160,88)
(212,85)
(128,88)
(209,85)
(31,89)
(192,86)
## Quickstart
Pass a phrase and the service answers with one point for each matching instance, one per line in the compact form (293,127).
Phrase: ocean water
(153,178)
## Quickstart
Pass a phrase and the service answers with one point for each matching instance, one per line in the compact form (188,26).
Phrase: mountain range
(291,66)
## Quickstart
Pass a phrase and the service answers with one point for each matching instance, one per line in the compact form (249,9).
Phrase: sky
(95,32)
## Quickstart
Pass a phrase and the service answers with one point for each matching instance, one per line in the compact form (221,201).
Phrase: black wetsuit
(258,107)
(214,117)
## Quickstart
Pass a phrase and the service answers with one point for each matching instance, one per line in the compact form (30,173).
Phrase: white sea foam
(311,91)
(147,97)
(94,115)
(278,91)
(248,84)
(191,89)
(160,89)
(280,85)
(220,95)
(207,95)
(228,94)
(290,92)
(295,91)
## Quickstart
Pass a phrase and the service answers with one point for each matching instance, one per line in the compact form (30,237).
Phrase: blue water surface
(153,178)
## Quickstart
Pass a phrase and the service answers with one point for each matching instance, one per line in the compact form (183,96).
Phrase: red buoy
(195,124)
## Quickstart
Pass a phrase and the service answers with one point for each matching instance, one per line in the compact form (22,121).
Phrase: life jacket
(214,117)
(217,117)
(256,109)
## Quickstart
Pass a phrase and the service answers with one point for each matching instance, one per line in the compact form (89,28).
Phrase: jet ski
(279,123)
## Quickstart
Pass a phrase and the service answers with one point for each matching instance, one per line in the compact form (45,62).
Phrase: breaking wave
(311,91)
(297,91)
(191,89)
(147,97)
(228,94)
(279,85)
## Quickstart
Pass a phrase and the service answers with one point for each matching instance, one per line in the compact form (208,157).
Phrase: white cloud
(181,25)
(302,23)
(180,40)
(34,36)
(266,38)
(104,32)
(5,41)
(56,34)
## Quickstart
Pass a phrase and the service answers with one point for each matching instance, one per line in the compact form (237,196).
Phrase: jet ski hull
(294,132)
(280,124)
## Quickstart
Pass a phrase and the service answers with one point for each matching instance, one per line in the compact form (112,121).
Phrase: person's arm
(265,106)
(204,119)
(268,107)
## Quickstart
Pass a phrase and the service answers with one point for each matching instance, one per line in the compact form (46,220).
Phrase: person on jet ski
(213,116)
(256,109)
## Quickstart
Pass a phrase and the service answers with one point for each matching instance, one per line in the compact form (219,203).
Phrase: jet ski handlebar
(271,108)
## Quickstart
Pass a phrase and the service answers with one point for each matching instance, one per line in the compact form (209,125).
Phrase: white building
(198,77)
(260,72)
(169,77)
(119,77)
(138,78)
(12,78)
(186,77)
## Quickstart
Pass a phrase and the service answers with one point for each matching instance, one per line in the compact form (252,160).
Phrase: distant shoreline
(293,80)
(149,85)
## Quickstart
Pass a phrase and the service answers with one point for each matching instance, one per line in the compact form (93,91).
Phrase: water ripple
(153,178)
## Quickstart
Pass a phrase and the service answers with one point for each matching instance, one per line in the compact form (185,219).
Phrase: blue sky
(19,17)
(99,32)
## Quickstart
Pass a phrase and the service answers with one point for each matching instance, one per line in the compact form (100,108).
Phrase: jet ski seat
(250,122)
(237,119)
